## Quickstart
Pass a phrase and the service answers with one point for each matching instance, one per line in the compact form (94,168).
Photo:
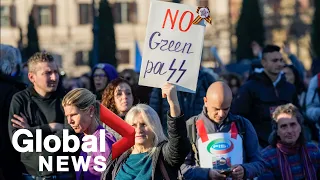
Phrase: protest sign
(221,151)
(173,46)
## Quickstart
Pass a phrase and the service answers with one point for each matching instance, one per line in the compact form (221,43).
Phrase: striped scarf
(284,150)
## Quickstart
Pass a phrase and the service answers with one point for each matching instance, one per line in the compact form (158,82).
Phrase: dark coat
(39,112)
(253,163)
(258,98)
(10,159)
(171,152)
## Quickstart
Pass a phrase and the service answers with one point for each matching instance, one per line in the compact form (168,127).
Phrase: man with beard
(263,92)
(39,107)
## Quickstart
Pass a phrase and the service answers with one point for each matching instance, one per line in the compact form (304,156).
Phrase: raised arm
(178,146)
(294,60)
(169,91)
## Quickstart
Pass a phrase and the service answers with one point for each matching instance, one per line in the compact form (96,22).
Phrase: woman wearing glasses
(102,75)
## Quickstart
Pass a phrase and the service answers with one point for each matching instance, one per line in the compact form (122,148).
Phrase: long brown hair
(108,95)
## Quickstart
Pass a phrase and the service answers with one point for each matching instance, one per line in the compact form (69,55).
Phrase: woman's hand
(169,91)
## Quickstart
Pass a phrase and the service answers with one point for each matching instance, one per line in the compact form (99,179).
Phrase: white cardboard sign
(173,47)
(221,151)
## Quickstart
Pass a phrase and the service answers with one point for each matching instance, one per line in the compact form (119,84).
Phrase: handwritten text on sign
(173,46)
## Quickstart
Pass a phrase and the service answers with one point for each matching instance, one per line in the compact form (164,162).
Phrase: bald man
(223,145)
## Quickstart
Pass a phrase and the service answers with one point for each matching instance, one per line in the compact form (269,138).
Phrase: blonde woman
(153,156)
(81,109)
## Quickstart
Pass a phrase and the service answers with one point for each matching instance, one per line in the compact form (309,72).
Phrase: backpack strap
(192,135)
(241,131)
(164,172)
(241,126)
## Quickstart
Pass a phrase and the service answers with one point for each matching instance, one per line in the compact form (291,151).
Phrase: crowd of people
(272,111)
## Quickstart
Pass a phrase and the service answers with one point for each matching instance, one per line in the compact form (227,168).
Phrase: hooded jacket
(110,71)
(10,160)
(259,97)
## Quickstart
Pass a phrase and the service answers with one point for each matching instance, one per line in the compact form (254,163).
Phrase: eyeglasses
(99,75)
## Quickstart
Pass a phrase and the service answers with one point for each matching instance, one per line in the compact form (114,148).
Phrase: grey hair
(151,119)
(10,57)
(289,109)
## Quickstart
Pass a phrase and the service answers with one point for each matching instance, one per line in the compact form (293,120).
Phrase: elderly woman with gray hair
(10,159)
(10,59)
(153,156)
(289,156)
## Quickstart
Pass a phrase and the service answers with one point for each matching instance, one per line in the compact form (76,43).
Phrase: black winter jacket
(10,160)
(258,98)
(39,112)
(171,152)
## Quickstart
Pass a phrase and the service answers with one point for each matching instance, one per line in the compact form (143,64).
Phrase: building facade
(65,28)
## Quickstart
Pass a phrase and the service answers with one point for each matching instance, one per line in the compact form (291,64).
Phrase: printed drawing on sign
(220,146)
(173,47)
(221,163)
(220,151)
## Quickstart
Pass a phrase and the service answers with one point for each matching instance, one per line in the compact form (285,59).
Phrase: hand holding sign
(169,91)
(125,130)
